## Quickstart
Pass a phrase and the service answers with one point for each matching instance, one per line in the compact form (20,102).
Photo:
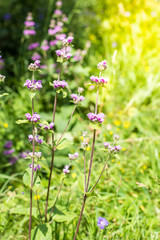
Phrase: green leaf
(32,95)
(95,126)
(81,182)
(42,232)
(4,94)
(62,215)
(60,59)
(25,211)
(22,121)
(63,144)
(27,180)
(64,94)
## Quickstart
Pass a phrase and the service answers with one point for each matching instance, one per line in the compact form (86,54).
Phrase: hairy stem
(90,167)
(65,127)
(84,156)
(52,160)
(33,151)
(100,174)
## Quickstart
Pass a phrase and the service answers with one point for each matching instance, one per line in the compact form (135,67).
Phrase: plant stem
(84,156)
(100,174)
(56,199)
(52,161)
(90,167)
(33,151)
(33,145)
(80,217)
(66,127)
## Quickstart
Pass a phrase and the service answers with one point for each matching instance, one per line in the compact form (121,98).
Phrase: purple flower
(106,144)
(60,84)
(102,65)
(29,23)
(96,117)
(23,155)
(45,47)
(7,16)
(30,137)
(33,85)
(13,160)
(8,152)
(102,222)
(33,118)
(36,56)
(51,125)
(99,80)
(8,144)
(58,3)
(34,66)
(61,36)
(37,167)
(73,156)
(77,98)
(37,139)
(57,12)
(28,32)
(117,148)
(53,42)
(33,46)
(65,170)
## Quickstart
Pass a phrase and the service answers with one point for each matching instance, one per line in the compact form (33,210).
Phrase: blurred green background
(126,34)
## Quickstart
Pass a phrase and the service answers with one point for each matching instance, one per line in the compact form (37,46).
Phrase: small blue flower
(102,222)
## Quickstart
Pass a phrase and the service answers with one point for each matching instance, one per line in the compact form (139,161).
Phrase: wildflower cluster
(33,118)
(99,80)
(96,117)
(29,26)
(33,85)
(71,157)
(37,167)
(34,66)
(37,138)
(47,126)
(60,84)
(102,65)
(114,148)
(84,144)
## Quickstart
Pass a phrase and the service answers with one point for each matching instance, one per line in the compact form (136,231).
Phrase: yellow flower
(88,148)
(144,167)
(119,162)
(110,132)
(92,37)
(74,175)
(123,149)
(37,197)
(113,160)
(117,123)
(5,125)
(82,138)
(126,124)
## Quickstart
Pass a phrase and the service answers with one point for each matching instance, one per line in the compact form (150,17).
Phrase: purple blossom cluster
(36,117)
(60,36)
(66,169)
(53,31)
(102,222)
(60,84)
(37,167)
(34,66)
(9,151)
(33,46)
(102,65)
(77,98)
(33,85)
(37,154)
(63,54)
(73,156)
(37,139)
(47,127)
(45,46)
(112,149)
(29,26)
(67,41)
(99,80)
(36,56)
(96,117)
